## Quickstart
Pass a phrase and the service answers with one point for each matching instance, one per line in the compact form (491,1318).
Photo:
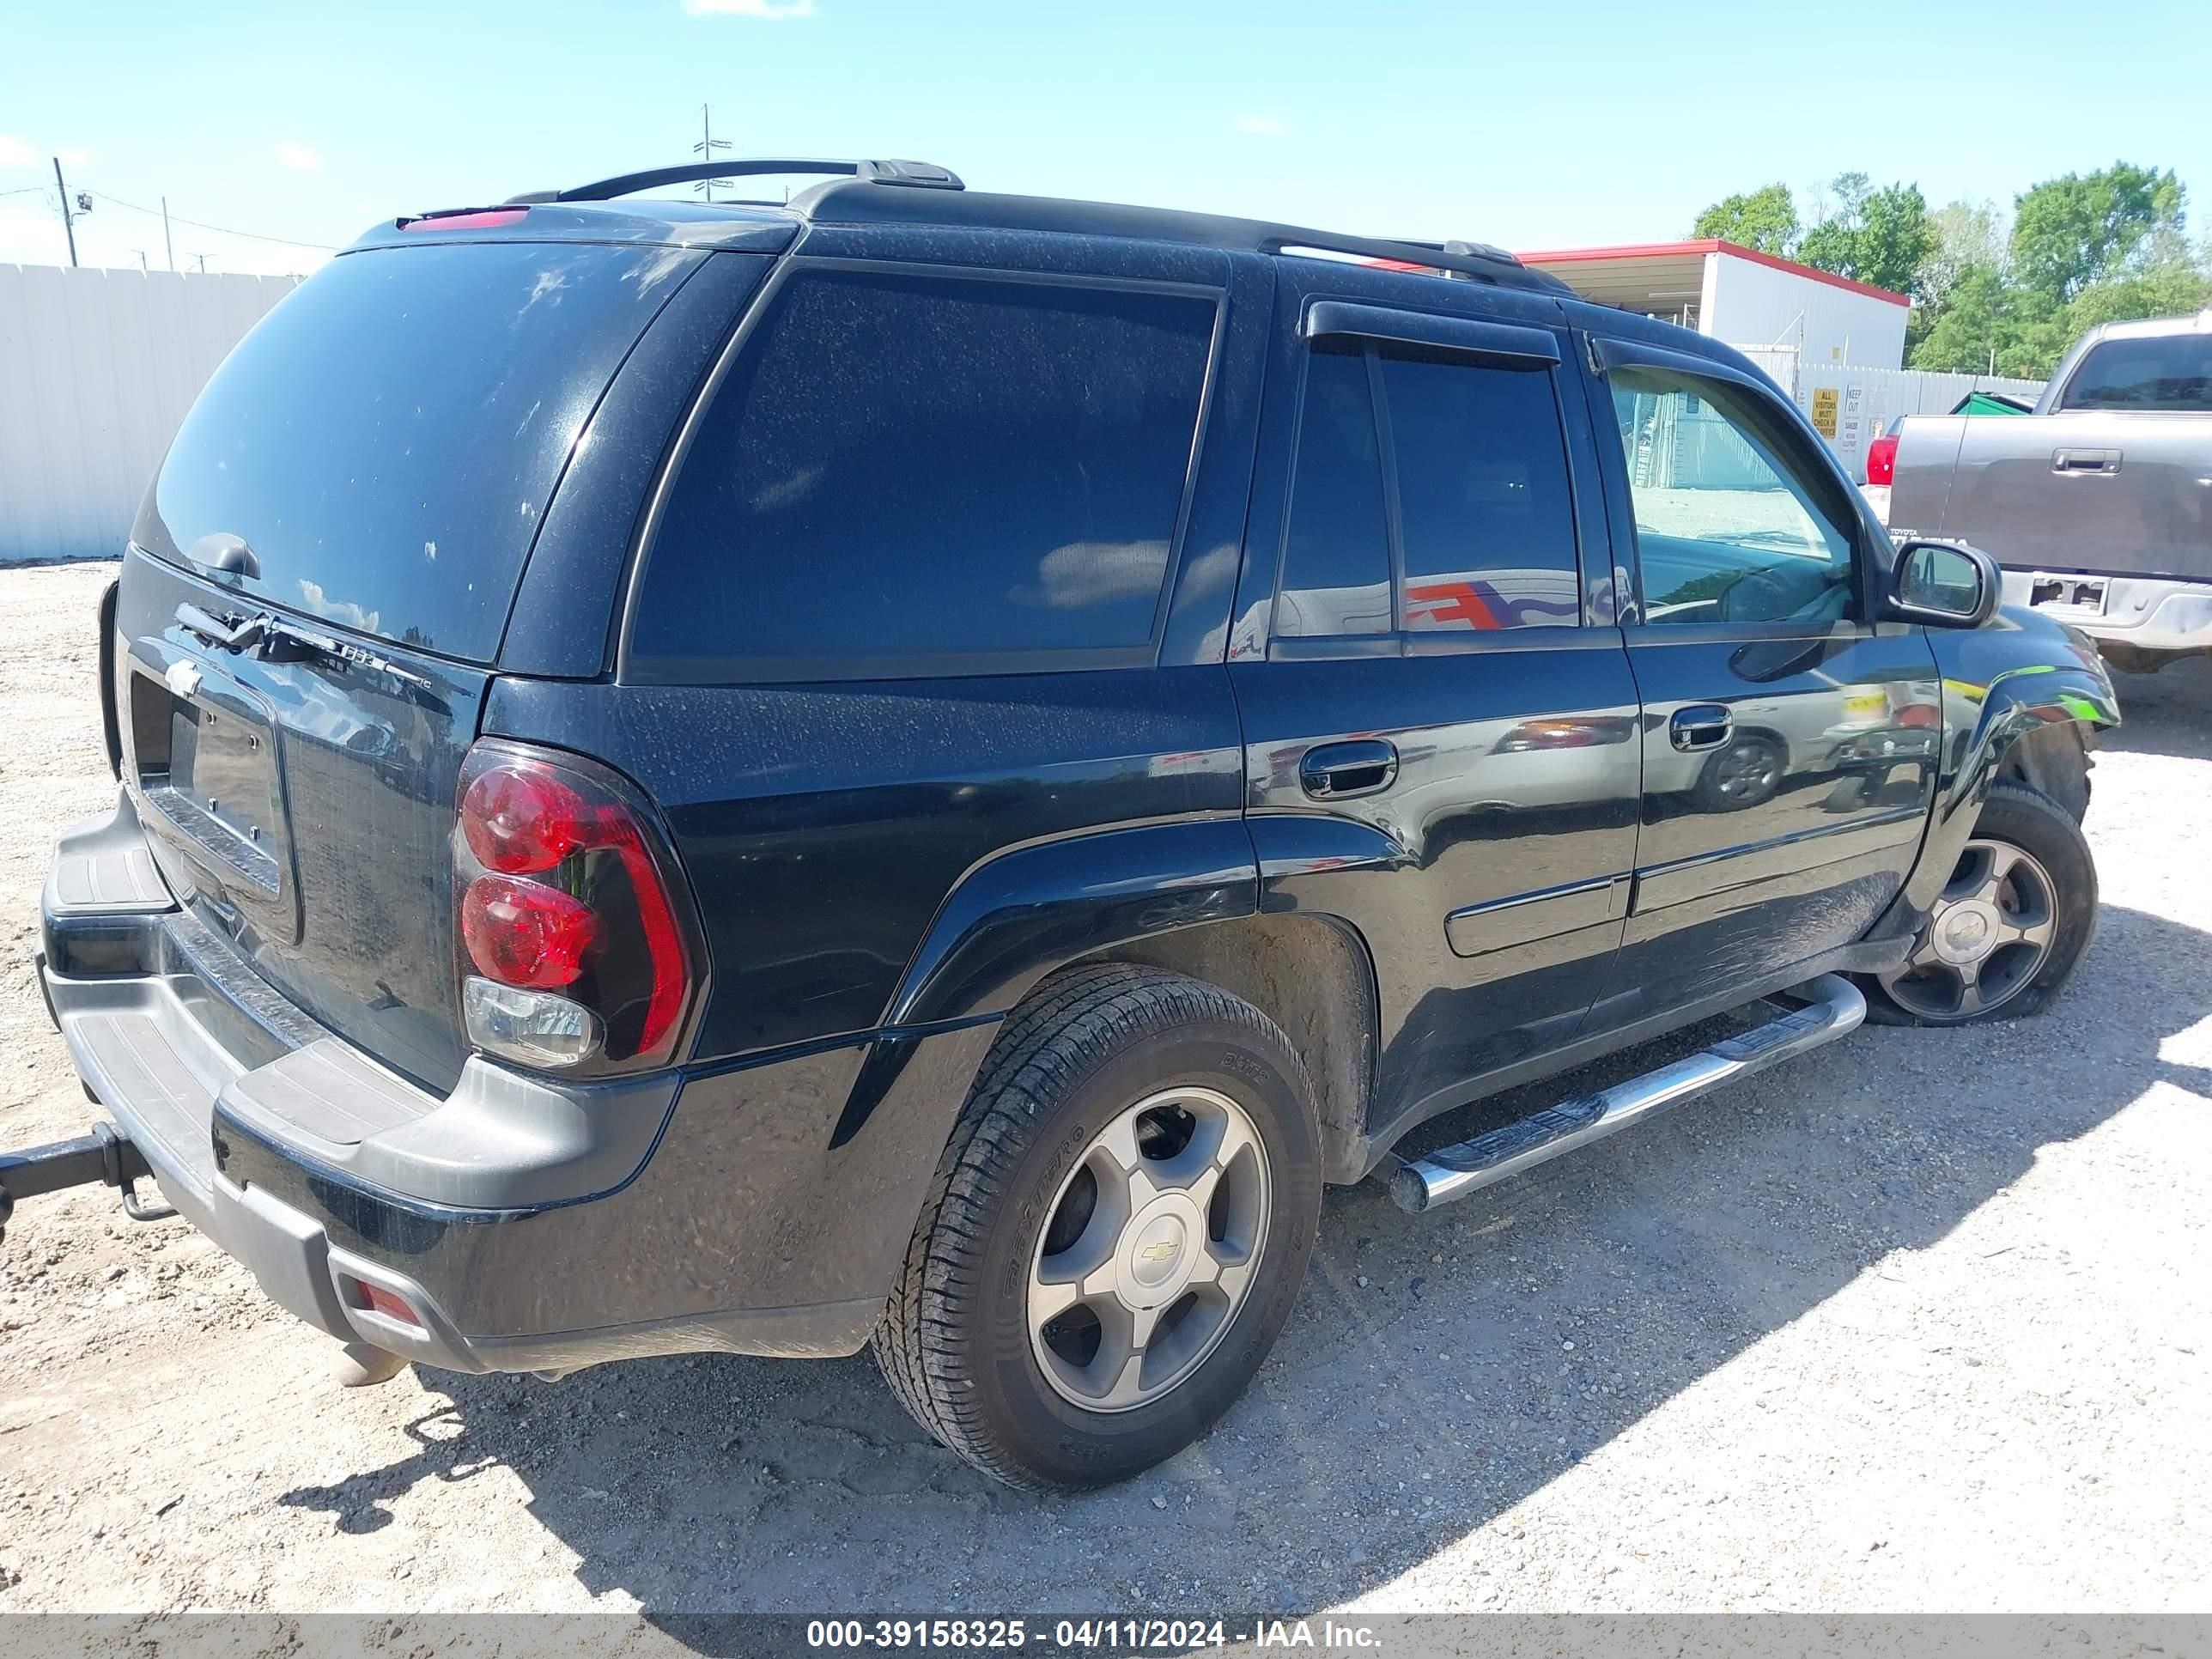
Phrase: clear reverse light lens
(536,1028)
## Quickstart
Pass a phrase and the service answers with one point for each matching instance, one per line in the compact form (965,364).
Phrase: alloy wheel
(1151,1249)
(1987,937)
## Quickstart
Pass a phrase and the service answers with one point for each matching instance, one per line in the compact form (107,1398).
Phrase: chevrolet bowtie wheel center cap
(1966,932)
(1157,1249)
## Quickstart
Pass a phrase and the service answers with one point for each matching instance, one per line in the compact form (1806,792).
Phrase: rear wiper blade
(224,632)
(284,642)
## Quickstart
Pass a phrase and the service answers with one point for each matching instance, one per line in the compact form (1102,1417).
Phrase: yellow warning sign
(1824,411)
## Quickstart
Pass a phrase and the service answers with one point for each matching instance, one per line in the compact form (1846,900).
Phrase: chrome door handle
(1338,771)
(1701,726)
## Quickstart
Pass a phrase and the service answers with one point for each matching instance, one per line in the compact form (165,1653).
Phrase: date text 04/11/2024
(1089,1635)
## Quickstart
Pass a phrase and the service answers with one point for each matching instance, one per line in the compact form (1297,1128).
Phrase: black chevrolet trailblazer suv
(923,767)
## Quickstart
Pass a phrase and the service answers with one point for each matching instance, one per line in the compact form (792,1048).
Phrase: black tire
(954,1343)
(2053,760)
(2023,817)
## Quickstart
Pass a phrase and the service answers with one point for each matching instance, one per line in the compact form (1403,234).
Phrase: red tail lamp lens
(519,823)
(527,934)
(566,885)
(663,943)
(1881,460)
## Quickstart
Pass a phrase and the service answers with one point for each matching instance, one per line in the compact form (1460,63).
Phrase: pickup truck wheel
(1117,1233)
(2019,910)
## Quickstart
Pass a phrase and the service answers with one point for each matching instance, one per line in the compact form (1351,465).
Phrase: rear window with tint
(2172,374)
(1485,514)
(1336,554)
(386,439)
(920,474)
(1485,511)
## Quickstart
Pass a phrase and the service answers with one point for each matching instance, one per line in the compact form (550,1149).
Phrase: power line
(225,230)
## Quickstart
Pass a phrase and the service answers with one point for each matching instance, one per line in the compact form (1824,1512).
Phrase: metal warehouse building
(1744,297)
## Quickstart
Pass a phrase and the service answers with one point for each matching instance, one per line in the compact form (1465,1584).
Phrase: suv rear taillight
(576,947)
(1881,459)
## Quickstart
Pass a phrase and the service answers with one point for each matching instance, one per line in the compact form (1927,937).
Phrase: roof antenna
(707,146)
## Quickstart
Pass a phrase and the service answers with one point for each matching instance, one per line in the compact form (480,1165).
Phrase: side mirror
(1942,585)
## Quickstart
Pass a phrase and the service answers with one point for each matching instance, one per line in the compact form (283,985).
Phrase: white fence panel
(1779,362)
(1851,406)
(97,369)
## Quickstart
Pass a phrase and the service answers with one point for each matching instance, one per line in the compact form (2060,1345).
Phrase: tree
(1879,236)
(2071,231)
(1964,338)
(1895,239)
(2172,287)
(1832,243)
(1966,234)
(1992,325)
(1764,220)
(2084,249)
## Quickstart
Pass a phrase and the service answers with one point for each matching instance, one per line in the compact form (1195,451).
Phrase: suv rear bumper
(324,1173)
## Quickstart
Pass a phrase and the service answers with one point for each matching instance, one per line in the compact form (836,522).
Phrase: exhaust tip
(361,1366)
(1408,1191)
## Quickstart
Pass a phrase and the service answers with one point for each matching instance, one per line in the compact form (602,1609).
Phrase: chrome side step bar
(1835,1009)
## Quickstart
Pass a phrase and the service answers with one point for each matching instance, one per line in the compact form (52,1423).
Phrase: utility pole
(68,225)
(708,145)
(142,267)
(202,257)
(167,246)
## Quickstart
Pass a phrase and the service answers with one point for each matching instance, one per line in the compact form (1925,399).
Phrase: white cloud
(77,156)
(1260,126)
(15,153)
(344,612)
(30,233)
(297,158)
(774,11)
(1078,574)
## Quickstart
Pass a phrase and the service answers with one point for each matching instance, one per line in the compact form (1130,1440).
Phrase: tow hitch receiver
(104,1157)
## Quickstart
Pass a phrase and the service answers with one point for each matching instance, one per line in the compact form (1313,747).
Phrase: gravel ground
(1920,1324)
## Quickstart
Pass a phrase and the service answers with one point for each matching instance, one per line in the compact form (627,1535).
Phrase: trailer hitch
(105,1156)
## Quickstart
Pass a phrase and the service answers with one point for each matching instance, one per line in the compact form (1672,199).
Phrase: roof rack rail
(922,174)
(1475,261)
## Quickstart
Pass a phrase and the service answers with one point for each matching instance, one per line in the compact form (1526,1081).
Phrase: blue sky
(1536,126)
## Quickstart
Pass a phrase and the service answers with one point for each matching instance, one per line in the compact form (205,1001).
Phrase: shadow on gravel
(1423,1386)
(2163,714)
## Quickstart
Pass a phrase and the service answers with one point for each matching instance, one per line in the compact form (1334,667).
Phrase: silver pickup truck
(2099,506)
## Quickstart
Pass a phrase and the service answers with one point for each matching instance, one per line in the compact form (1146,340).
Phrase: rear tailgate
(357,491)
(302,808)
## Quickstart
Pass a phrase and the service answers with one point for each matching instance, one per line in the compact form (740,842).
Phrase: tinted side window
(1728,527)
(2172,374)
(1336,554)
(901,467)
(1485,510)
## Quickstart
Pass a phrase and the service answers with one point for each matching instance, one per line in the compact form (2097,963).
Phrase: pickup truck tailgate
(2110,493)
